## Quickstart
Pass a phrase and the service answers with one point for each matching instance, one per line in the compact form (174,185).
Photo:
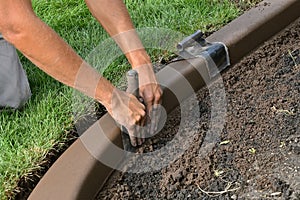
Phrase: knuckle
(138,118)
(148,97)
(141,104)
(158,96)
(161,91)
(131,123)
(143,113)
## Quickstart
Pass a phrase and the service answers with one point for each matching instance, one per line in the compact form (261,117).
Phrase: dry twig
(215,194)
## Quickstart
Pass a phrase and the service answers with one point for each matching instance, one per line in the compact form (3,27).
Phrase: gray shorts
(14,86)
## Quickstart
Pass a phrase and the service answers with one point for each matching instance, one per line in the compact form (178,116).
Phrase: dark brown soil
(257,155)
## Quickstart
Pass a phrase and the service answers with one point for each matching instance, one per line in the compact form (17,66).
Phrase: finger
(137,102)
(139,127)
(157,117)
(138,134)
(153,120)
(144,129)
(140,142)
(149,111)
(144,119)
(134,134)
(141,137)
(158,110)
(131,132)
(140,131)
(139,117)
(158,96)
(133,141)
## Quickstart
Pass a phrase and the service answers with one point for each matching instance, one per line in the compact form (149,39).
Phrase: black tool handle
(133,82)
(186,42)
(132,88)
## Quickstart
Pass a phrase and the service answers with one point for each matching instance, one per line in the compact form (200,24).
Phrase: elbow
(15,20)
(12,30)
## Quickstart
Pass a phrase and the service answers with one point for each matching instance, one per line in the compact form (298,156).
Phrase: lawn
(27,135)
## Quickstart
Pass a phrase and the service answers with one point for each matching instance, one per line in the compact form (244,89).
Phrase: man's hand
(151,94)
(115,18)
(128,112)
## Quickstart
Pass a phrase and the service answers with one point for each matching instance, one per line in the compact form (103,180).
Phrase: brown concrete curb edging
(77,174)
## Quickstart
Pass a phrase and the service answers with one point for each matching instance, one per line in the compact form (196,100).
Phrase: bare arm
(48,51)
(114,17)
(40,44)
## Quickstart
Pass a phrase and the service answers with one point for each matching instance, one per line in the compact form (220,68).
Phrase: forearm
(114,17)
(49,52)
(46,50)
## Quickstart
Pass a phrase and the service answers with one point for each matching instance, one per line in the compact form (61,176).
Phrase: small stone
(233,197)
(151,148)
(255,82)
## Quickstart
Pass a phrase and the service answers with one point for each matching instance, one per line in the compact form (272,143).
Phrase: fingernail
(133,143)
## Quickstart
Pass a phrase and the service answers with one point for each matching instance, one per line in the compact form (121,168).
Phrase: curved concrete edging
(78,175)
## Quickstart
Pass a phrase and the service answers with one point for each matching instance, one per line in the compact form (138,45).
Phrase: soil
(257,154)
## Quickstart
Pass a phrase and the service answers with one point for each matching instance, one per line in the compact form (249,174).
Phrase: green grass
(27,135)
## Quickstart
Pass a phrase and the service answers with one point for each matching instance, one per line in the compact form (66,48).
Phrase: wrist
(138,58)
(104,92)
